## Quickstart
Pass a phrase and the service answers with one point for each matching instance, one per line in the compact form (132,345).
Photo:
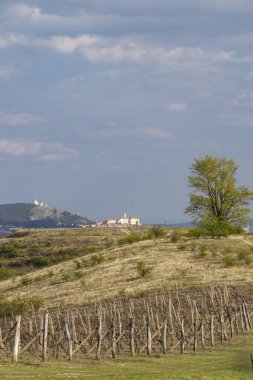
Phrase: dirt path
(241,238)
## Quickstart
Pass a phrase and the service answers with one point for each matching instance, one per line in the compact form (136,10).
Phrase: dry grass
(173,264)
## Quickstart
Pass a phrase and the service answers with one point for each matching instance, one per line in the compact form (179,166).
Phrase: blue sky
(104,104)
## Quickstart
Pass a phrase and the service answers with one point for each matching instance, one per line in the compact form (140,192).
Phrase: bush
(130,239)
(19,233)
(203,251)
(245,257)
(5,273)
(19,305)
(38,261)
(196,232)
(157,232)
(182,247)
(78,274)
(175,237)
(229,260)
(143,270)
(96,259)
(25,281)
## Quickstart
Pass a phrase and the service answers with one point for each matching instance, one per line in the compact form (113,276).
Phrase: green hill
(29,215)
(62,265)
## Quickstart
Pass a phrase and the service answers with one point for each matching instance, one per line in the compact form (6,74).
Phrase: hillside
(83,265)
(29,215)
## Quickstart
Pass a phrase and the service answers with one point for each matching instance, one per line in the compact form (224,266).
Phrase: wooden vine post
(165,327)
(99,337)
(149,344)
(182,340)
(44,337)
(211,331)
(69,339)
(132,349)
(16,340)
(113,338)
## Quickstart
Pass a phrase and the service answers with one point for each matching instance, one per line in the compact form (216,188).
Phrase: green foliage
(25,281)
(229,260)
(96,259)
(214,229)
(6,273)
(175,237)
(203,251)
(156,232)
(245,256)
(130,239)
(143,269)
(19,305)
(78,274)
(215,201)
(182,247)
(19,233)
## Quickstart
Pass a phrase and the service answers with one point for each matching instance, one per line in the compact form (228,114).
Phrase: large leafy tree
(215,198)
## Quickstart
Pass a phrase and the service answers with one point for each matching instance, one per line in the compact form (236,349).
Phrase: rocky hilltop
(29,215)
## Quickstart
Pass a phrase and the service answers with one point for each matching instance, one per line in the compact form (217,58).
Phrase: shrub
(78,264)
(5,273)
(245,257)
(96,259)
(19,233)
(25,281)
(157,232)
(182,247)
(19,305)
(36,302)
(229,260)
(175,237)
(196,232)
(203,251)
(143,270)
(78,274)
(38,261)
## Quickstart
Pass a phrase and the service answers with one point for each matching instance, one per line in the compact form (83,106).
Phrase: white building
(111,221)
(123,220)
(129,221)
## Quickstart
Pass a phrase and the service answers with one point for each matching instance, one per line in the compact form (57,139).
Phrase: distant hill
(29,215)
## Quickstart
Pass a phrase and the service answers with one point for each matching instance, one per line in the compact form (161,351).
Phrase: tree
(215,200)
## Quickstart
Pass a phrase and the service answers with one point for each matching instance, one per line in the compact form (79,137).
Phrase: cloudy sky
(104,104)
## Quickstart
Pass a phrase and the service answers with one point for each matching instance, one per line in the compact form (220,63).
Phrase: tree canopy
(215,197)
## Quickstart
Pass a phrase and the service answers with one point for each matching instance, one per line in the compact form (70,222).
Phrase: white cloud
(14,39)
(125,49)
(66,44)
(7,71)
(157,133)
(177,107)
(40,149)
(19,119)
(133,49)
(33,16)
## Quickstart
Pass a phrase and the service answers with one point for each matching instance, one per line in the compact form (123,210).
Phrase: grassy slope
(182,263)
(228,362)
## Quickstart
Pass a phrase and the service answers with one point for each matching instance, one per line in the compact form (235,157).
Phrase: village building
(124,221)
(111,221)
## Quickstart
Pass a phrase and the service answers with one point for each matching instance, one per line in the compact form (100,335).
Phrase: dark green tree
(215,199)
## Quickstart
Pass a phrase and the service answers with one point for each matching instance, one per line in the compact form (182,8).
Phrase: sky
(105,104)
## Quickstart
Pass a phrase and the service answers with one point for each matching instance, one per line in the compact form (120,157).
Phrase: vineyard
(179,321)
